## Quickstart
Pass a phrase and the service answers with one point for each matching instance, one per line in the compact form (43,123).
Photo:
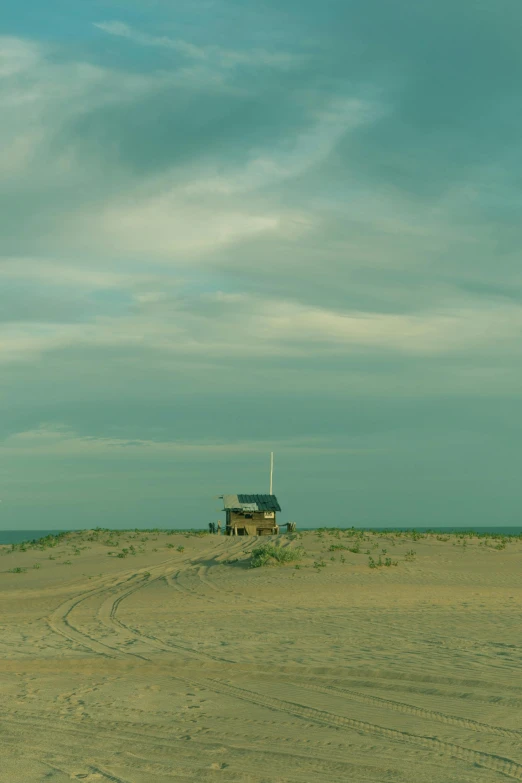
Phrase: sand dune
(178,661)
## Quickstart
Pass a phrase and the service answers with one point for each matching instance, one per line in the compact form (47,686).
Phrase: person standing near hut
(219,527)
(211,527)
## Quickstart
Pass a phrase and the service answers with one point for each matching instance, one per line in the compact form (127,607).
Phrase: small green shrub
(273,554)
(18,570)
(415,535)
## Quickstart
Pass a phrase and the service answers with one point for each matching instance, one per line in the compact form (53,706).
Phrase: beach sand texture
(182,663)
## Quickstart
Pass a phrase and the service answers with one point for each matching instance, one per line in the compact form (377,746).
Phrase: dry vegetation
(144,656)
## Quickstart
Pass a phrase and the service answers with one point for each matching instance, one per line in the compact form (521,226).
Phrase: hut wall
(254,523)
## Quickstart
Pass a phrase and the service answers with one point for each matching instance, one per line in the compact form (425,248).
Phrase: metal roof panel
(251,503)
(264,502)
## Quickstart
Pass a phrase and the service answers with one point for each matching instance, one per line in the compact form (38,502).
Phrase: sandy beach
(145,657)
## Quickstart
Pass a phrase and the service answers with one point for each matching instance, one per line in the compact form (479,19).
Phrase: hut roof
(251,503)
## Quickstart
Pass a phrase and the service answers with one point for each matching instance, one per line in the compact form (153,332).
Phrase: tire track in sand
(420,712)
(491,761)
(339,770)
(60,620)
(107,611)
(93,774)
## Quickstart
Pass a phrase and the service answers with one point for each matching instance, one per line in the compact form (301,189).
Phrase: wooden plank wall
(252,524)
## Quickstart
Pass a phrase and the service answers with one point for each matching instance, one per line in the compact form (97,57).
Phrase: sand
(189,665)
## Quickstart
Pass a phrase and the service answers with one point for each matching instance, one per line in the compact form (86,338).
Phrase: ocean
(17,536)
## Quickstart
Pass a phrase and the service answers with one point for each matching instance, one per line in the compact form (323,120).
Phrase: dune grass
(272,554)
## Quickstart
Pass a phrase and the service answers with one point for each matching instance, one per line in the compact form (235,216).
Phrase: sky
(229,228)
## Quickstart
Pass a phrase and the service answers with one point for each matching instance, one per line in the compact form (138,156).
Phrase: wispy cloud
(57,440)
(17,55)
(294,156)
(211,54)
(234,203)
(52,273)
(234,326)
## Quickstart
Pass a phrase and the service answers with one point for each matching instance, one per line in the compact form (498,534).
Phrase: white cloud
(16,56)
(211,55)
(38,96)
(295,155)
(191,215)
(222,326)
(87,274)
(456,328)
(60,274)
(158,216)
(194,210)
(74,85)
(166,226)
(57,440)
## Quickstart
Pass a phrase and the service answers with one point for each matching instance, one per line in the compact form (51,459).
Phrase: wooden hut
(251,515)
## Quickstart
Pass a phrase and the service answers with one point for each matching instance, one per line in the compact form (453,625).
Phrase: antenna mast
(271,470)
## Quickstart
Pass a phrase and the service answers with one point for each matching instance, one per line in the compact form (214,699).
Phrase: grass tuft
(272,554)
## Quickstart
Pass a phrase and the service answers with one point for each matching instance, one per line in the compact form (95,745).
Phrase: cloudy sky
(235,227)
